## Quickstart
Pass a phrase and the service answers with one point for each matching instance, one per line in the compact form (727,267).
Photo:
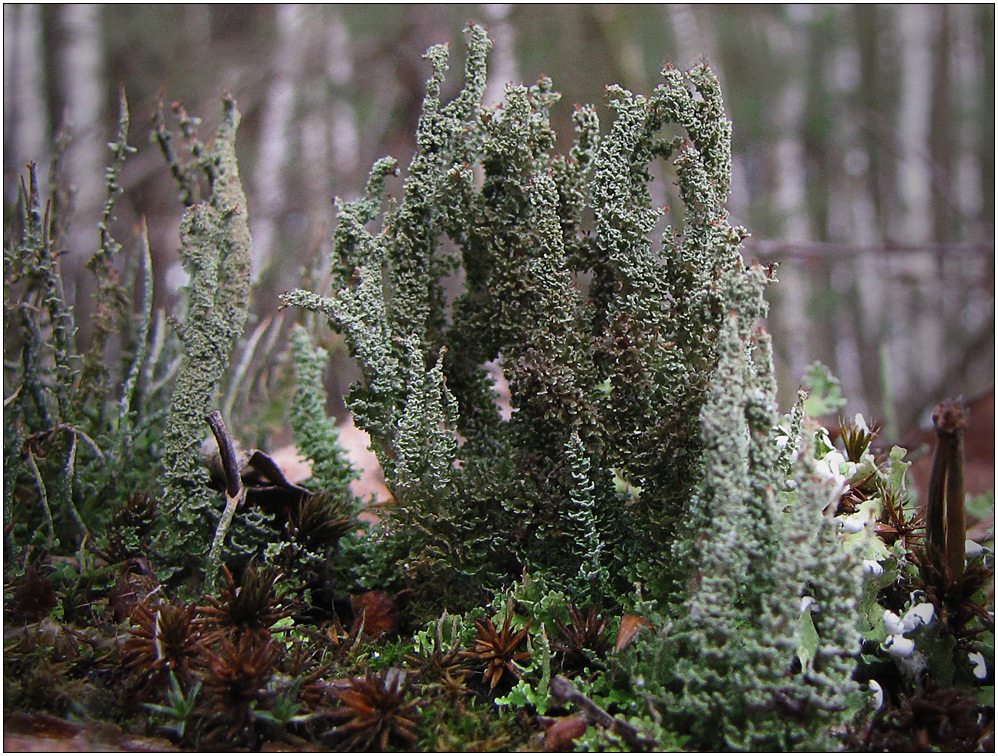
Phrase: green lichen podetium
(315,432)
(215,242)
(608,340)
(61,428)
(756,553)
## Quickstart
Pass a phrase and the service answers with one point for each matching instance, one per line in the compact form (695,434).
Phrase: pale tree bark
(942,147)
(81,70)
(967,70)
(865,321)
(269,174)
(332,130)
(986,27)
(694,40)
(922,32)
(26,120)
(914,117)
(329,135)
(344,131)
(790,202)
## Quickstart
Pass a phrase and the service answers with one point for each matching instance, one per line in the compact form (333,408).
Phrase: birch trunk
(790,202)
(268,182)
(502,62)
(26,120)
(344,135)
(914,118)
(81,71)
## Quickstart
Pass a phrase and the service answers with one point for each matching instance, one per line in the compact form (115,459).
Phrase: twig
(249,351)
(126,412)
(565,691)
(163,139)
(234,491)
(69,476)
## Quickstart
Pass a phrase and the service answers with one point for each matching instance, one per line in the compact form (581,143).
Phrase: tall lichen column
(215,244)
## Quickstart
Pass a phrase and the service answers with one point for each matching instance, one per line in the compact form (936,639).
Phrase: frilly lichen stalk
(111,297)
(756,553)
(215,241)
(315,432)
(606,379)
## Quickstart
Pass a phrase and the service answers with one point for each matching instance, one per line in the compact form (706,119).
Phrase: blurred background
(863,148)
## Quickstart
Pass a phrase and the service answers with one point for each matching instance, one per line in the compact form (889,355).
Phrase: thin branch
(565,692)
(126,413)
(227,453)
(249,351)
(235,494)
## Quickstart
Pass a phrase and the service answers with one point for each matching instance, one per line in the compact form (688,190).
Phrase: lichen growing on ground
(215,242)
(641,554)
(608,340)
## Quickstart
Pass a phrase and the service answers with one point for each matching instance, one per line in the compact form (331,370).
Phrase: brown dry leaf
(630,626)
(563,732)
(379,612)
(356,443)
(296,468)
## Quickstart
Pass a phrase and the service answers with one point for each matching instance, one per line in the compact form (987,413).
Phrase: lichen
(606,378)
(315,432)
(215,243)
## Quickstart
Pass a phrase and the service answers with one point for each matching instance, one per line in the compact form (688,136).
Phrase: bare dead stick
(565,692)
(234,491)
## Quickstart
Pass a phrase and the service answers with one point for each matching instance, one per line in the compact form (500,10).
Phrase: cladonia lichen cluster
(765,588)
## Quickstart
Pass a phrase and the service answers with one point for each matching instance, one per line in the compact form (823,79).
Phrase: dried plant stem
(234,491)
(565,691)
(69,475)
(946,528)
(239,376)
(164,139)
(935,505)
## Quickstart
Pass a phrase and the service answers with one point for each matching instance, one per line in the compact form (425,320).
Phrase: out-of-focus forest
(863,147)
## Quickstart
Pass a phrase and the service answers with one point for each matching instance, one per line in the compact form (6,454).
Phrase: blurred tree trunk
(943,136)
(915,25)
(81,72)
(787,40)
(817,122)
(987,110)
(345,131)
(269,186)
(26,121)
(693,38)
(852,219)
(923,128)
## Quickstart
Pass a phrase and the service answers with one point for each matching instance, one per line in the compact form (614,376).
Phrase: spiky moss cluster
(215,243)
(606,380)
